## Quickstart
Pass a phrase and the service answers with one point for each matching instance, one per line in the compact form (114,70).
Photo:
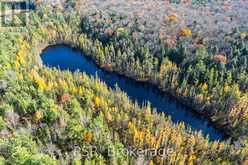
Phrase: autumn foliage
(48,116)
(220,58)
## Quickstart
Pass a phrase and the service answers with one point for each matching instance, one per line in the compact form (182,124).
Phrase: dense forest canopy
(52,117)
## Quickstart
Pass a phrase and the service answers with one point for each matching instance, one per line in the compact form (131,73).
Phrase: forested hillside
(48,116)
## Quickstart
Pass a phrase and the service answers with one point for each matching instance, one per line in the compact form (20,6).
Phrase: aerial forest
(51,117)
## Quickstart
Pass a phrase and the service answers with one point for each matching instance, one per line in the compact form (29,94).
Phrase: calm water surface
(66,58)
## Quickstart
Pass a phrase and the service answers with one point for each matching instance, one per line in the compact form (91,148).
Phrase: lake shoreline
(179,99)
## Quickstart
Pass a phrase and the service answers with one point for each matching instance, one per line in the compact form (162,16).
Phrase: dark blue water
(66,58)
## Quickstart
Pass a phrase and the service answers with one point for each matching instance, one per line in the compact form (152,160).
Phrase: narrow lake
(66,58)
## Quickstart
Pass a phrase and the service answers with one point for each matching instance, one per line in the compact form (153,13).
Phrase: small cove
(64,57)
